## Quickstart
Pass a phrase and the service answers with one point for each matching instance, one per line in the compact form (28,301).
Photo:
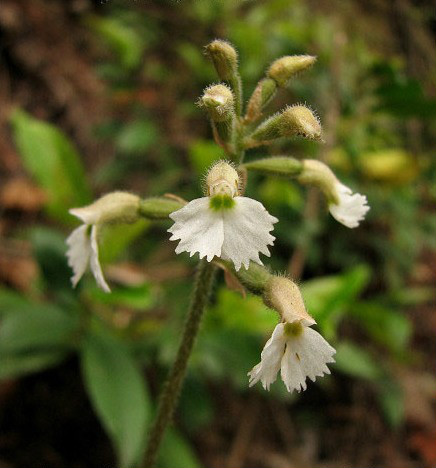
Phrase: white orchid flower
(298,352)
(83,241)
(223,224)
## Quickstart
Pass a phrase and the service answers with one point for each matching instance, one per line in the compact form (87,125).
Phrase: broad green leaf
(135,297)
(249,314)
(202,154)
(175,451)
(53,161)
(328,298)
(16,365)
(118,393)
(356,362)
(120,37)
(137,137)
(26,326)
(391,399)
(117,237)
(49,248)
(387,326)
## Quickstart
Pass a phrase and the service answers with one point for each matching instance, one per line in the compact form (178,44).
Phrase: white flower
(223,224)
(298,352)
(83,250)
(82,242)
(351,207)
(235,229)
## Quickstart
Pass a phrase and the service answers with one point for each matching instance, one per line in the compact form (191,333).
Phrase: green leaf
(356,362)
(53,161)
(175,451)
(391,400)
(49,249)
(26,326)
(388,327)
(202,154)
(135,297)
(118,393)
(16,365)
(117,237)
(120,37)
(328,298)
(137,137)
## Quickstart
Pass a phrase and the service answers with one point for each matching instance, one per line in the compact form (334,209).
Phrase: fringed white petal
(291,371)
(352,207)
(79,252)
(95,263)
(198,228)
(247,229)
(270,359)
(306,356)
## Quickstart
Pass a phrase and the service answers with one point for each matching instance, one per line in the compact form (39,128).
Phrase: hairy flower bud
(284,296)
(261,97)
(219,102)
(300,120)
(222,179)
(224,58)
(115,207)
(345,206)
(283,69)
(292,121)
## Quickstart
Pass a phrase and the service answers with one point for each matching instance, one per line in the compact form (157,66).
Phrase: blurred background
(101,96)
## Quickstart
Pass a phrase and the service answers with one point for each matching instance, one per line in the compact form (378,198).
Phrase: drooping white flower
(298,352)
(223,224)
(345,206)
(351,207)
(83,241)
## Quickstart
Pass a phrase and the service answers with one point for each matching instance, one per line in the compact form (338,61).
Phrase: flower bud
(224,58)
(293,121)
(277,165)
(158,207)
(346,207)
(319,174)
(284,296)
(115,207)
(283,69)
(261,97)
(222,179)
(300,120)
(218,100)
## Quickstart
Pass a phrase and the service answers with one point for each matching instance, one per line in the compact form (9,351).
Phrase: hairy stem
(171,390)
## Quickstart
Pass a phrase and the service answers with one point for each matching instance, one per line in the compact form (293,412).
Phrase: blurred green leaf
(118,393)
(328,298)
(391,399)
(28,325)
(388,327)
(17,365)
(49,250)
(356,362)
(175,451)
(202,154)
(54,162)
(135,297)
(137,137)
(249,314)
(117,237)
(120,37)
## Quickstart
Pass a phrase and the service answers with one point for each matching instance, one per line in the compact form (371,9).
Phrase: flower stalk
(171,390)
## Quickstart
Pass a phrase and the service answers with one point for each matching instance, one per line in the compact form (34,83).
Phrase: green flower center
(293,329)
(221,202)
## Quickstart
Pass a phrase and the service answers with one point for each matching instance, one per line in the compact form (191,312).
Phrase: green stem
(171,390)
